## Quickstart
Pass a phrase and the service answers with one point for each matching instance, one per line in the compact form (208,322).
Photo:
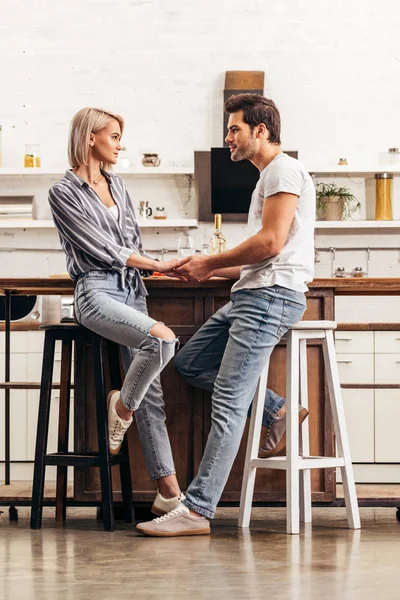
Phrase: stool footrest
(71,459)
(306,462)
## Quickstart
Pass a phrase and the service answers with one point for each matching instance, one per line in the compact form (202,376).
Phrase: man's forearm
(255,249)
(229,272)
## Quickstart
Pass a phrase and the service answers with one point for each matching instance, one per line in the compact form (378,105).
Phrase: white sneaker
(162,506)
(117,427)
(177,522)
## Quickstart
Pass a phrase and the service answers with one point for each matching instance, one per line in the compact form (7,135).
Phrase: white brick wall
(332,67)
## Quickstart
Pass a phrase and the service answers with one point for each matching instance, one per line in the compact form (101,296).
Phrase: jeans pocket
(292,313)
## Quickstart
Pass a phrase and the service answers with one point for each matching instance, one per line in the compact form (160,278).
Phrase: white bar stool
(297,462)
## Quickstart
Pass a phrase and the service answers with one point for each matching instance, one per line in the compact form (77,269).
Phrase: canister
(383,204)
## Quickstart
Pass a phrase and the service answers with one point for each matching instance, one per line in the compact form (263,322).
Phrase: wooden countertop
(64,285)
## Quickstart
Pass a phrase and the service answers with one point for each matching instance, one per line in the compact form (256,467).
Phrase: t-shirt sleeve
(283,178)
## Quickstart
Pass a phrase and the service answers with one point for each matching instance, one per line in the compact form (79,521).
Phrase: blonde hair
(85,122)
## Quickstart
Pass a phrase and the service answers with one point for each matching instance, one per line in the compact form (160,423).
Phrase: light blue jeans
(226,356)
(115,312)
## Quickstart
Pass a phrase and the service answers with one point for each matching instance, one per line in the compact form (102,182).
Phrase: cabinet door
(387,342)
(387,368)
(359,411)
(354,342)
(18,408)
(184,415)
(356,368)
(387,420)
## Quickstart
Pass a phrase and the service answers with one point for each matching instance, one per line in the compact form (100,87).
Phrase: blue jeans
(227,356)
(105,306)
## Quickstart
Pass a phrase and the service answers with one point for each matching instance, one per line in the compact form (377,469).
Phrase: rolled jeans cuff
(202,511)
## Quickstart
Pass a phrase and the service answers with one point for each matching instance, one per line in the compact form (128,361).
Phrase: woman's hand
(166,266)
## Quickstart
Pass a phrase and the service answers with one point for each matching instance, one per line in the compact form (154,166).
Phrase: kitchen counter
(64,285)
(185,307)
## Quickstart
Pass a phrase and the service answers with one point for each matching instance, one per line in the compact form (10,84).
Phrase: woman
(98,231)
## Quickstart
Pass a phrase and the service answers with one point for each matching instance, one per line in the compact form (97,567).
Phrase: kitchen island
(184,307)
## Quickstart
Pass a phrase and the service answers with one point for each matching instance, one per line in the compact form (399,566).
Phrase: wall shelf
(337,170)
(148,171)
(143,223)
(372,224)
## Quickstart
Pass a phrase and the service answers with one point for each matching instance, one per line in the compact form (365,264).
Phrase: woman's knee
(162,332)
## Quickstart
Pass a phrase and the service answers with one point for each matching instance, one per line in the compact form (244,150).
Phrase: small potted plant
(335,203)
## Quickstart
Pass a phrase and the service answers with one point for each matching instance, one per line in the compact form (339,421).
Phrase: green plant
(348,202)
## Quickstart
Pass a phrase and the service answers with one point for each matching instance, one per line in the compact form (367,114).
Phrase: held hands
(167,268)
(195,268)
(192,268)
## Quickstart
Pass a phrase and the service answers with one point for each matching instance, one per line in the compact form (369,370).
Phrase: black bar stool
(68,333)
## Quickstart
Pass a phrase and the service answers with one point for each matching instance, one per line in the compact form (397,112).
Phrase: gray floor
(80,561)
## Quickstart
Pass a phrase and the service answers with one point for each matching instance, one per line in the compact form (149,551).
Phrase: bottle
(218,240)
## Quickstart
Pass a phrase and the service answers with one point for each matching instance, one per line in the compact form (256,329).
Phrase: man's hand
(195,268)
(167,268)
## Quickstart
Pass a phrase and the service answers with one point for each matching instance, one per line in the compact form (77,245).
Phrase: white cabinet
(355,342)
(387,368)
(372,415)
(387,421)
(356,368)
(359,408)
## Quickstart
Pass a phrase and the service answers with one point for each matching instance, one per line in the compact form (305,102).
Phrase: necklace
(95,180)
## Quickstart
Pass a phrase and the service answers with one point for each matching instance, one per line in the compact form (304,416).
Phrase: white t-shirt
(293,268)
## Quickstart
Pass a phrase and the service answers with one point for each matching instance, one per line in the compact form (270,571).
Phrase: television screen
(232,183)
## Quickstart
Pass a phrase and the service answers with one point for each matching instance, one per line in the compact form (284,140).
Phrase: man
(228,354)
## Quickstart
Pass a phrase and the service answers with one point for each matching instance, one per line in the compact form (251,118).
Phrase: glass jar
(151,159)
(160,213)
(32,156)
(391,157)
(383,203)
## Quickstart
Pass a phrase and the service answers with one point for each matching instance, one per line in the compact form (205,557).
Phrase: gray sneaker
(175,523)
(275,443)
(162,506)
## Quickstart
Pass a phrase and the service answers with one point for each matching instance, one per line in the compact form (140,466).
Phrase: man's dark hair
(257,109)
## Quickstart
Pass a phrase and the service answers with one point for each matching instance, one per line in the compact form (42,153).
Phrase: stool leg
(253,442)
(102,430)
(42,431)
(124,466)
(63,428)
(292,437)
(339,421)
(305,479)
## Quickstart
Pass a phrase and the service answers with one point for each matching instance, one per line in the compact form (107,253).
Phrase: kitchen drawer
(359,342)
(356,368)
(387,342)
(359,411)
(387,368)
(387,420)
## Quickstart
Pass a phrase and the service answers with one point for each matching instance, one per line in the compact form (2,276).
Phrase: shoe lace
(118,431)
(170,515)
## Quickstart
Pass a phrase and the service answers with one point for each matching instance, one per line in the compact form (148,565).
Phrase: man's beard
(245,152)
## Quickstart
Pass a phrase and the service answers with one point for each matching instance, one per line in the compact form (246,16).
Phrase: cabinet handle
(344,339)
(347,362)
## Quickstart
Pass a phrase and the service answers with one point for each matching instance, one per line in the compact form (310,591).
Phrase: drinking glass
(186,246)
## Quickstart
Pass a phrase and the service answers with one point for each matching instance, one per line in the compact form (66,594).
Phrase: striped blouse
(91,237)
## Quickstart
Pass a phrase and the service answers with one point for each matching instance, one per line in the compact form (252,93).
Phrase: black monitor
(232,183)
